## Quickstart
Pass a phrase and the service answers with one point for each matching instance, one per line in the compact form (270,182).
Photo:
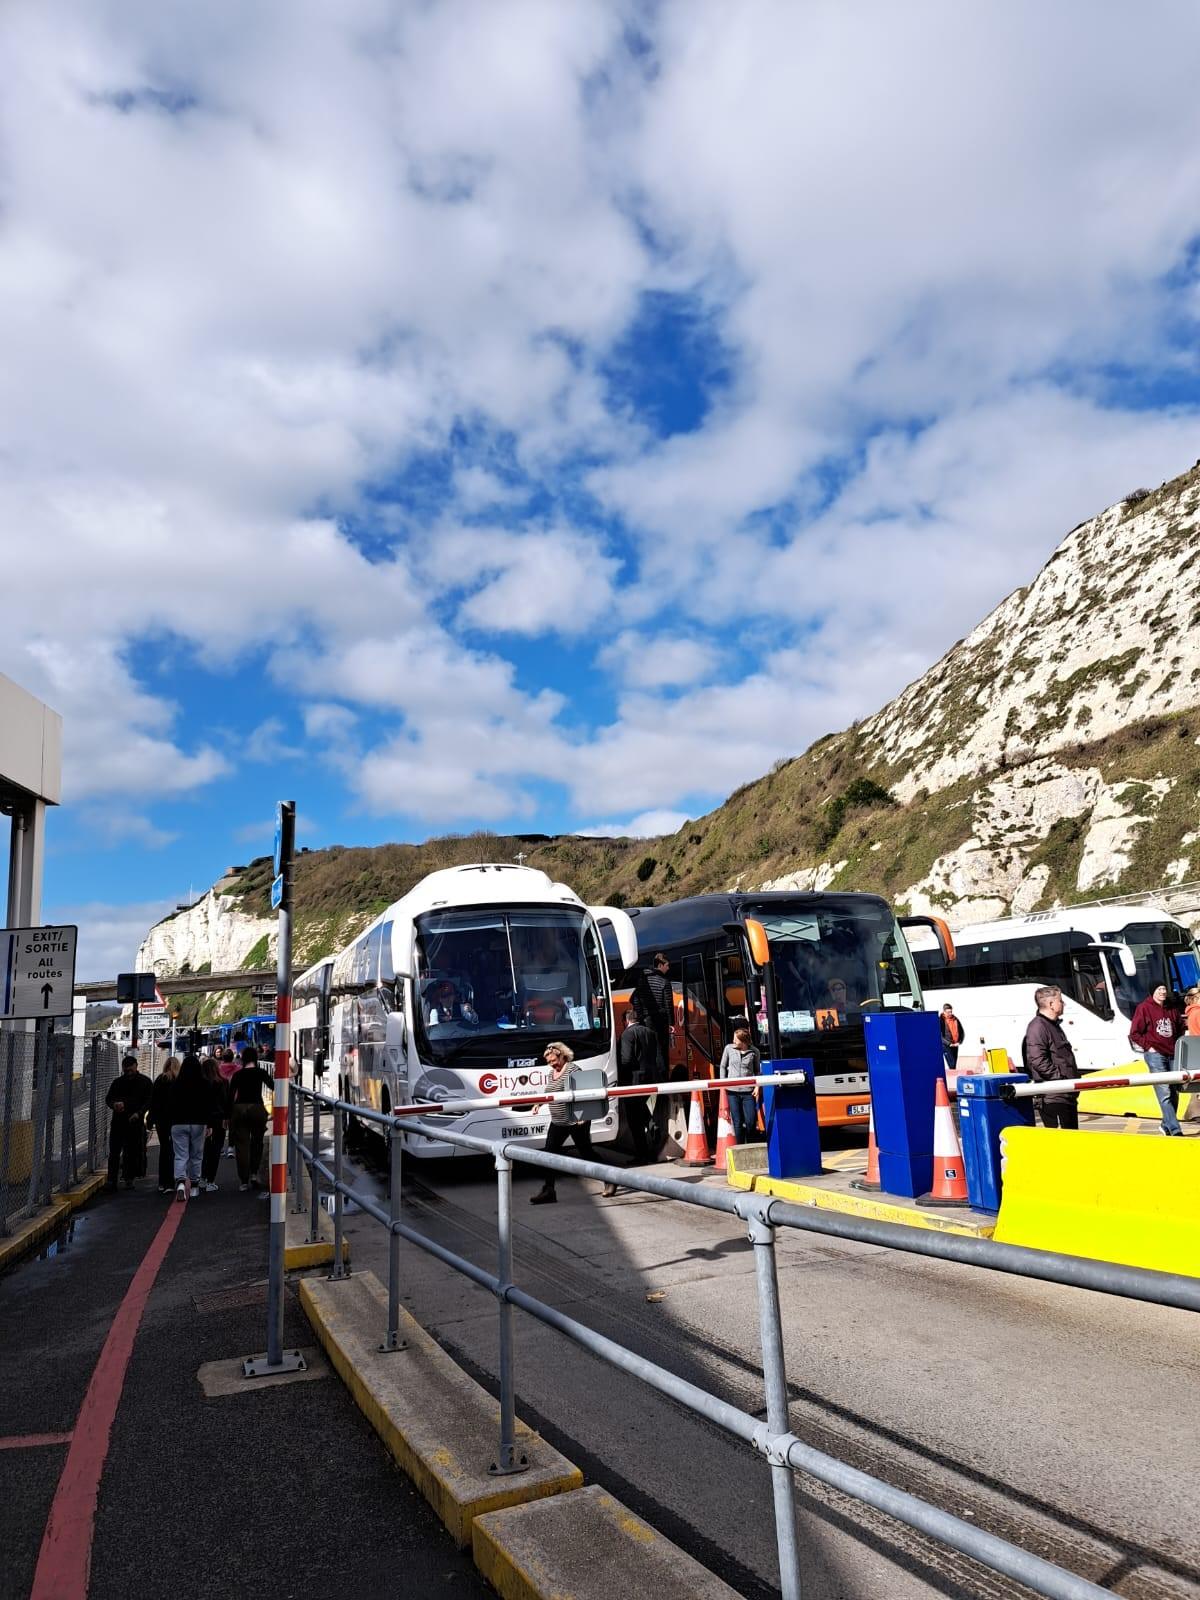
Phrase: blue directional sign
(277,893)
(278,853)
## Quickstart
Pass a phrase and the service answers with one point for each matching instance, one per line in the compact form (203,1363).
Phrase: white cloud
(649,825)
(646,660)
(546,580)
(109,934)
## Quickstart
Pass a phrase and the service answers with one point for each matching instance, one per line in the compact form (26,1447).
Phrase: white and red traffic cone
(949,1168)
(695,1153)
(726,1138)
(870,1178)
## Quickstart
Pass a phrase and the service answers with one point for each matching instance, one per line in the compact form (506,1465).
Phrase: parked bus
(834,958)
(454,992)
(1105,959)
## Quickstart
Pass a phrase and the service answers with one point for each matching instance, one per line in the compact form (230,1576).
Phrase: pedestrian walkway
(149,1484)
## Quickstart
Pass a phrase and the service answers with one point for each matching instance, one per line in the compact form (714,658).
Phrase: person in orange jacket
(1191,1009)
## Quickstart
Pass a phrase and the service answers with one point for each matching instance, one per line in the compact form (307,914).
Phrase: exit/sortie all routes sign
(37,972)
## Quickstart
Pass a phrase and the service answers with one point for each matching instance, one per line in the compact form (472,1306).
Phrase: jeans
(188,1140)
(1062,1113)
(1167,1093)
(743,1114)
(950,1057)
(247,1130)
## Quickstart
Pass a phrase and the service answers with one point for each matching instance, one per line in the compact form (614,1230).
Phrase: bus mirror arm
(941,931)
(1123,954)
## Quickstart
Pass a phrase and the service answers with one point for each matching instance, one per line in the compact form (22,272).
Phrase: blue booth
(904,1062)
(982,1113)
(790,1115)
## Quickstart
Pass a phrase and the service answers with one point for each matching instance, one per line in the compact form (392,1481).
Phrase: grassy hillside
(827,806)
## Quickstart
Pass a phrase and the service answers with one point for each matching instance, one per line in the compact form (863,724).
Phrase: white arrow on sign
(37,972)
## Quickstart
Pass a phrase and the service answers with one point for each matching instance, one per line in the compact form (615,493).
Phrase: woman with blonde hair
(159,1118)
(565,1122)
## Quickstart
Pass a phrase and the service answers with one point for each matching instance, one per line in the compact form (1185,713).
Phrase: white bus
(454,992)
(1105,959)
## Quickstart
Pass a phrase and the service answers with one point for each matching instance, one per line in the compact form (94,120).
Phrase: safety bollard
(509,1461)
(762,1237)
(339,1270)
(392,1340)
(314,1176)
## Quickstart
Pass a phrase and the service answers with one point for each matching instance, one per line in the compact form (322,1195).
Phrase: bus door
(702,1031)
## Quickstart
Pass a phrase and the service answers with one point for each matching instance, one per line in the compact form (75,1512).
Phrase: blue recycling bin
(790,1113)
(904,1062)
(981,1116)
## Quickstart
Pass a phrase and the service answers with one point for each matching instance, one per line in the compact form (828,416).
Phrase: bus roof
(1091,919)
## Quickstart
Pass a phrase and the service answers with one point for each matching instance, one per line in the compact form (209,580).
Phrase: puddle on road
(60,1243)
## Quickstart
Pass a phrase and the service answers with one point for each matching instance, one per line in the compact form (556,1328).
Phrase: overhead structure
(30,780)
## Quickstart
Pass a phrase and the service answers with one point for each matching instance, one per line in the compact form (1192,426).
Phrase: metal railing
(53,1119)
(784,1453)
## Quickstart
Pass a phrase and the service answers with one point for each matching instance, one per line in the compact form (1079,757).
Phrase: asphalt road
(1064,1421)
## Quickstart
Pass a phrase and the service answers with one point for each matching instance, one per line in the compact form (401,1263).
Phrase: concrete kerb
(27,1236)
(301,1252)
(589,1546)
(442,1428)
(746,1170)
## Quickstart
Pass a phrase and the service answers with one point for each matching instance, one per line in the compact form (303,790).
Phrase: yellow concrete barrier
(1139,1101)
(1133,1201)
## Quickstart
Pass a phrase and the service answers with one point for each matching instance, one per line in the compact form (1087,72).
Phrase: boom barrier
(1130,1080)
(784,1453)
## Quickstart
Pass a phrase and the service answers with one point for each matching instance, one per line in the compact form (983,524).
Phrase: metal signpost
(136,989)
(37,973)
(277,1359)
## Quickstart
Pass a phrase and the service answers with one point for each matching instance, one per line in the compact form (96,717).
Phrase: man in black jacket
(637,1062)
(655,999)
(127,1098)
(1047,1054)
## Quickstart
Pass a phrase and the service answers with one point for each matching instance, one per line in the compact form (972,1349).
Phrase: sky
(544,416)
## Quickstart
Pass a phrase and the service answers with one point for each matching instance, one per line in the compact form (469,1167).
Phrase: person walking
(193,1107)
(214,1140)
(248,1116)
(565,1124)
(741,1060)
(655,999)
(952,1037)
(638,1062)
(1191,1011)
(159,1118)
(1155,1028)
(1048,1056)
(127,1098)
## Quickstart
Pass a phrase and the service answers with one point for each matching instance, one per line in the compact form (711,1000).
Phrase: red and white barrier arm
(1132,1080)
(628,1091)
(279,1108)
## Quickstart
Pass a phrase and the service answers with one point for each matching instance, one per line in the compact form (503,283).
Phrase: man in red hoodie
(1156,1026)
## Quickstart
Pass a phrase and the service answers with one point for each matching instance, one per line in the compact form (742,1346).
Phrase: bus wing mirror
(1124,955)
(623,932)
(756,937)
(941,931)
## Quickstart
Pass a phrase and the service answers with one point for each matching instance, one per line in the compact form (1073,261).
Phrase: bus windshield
(832,965)
(487,974)
(1163,952)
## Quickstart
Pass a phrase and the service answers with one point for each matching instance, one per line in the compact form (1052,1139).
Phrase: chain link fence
(53,1119)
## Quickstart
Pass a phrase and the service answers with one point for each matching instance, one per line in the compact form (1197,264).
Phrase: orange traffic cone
(949,1169)
(695,1152)
(726,1138)
(870,1178)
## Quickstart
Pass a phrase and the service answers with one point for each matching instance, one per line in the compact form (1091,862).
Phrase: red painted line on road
(65,1559)
(30,1441)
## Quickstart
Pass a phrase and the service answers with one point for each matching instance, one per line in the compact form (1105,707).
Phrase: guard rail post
(93,1101)
(508,1460)
(314,1176)
(392,1339)
(67,1152)
(7,1041)
(783,1483)
(39,1153)
(295,1140)
(339,1270)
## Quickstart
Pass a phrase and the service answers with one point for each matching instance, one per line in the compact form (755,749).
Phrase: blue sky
(545,417)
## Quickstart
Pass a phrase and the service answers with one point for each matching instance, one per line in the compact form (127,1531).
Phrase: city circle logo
(488,1083)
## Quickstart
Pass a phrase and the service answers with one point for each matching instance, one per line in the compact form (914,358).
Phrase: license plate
(858,1111)
(530,1130)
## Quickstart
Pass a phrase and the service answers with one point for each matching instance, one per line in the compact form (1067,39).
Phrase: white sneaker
(197,1190)
(211,1187)
(180,1192)
(243,1187)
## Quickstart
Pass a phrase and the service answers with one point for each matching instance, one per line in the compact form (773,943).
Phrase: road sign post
(277,1359)
(37,973)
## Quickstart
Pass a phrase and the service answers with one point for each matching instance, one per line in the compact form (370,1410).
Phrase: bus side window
(1090,988)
